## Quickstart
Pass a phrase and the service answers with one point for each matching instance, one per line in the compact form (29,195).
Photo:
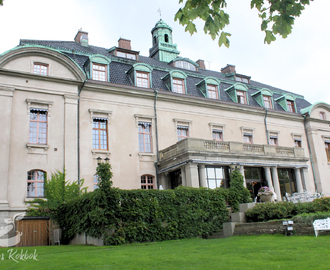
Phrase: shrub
(322,204)
(126,216)
(308,219)
(237,192)
(280,210)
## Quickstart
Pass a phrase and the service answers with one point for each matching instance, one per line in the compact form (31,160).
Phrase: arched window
(166,38)
(35,183)
(147,182)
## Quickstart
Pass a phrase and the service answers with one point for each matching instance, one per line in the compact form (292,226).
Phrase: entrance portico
(206,163)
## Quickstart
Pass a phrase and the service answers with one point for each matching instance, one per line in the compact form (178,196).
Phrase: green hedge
(283,210)
(125,216)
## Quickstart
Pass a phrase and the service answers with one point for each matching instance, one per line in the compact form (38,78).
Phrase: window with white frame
(41,69)
(178,85)
(38,126)
(144,130)
(212,91)
(100,133)
(142,79)
(217,177)
(35,183)
(99,72)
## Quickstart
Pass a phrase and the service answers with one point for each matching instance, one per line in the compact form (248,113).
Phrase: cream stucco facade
(73,102)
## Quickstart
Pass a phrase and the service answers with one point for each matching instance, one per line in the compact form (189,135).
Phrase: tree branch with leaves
(277,17)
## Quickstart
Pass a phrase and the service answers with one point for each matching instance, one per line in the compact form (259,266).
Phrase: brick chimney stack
(124,44)
(201,63)
(82,37)
(228,69)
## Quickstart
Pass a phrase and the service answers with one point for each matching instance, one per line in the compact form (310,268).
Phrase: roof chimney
(82,37)
(201,63)
(228,69)
(124,44)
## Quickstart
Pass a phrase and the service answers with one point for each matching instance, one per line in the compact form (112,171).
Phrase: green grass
(240,252)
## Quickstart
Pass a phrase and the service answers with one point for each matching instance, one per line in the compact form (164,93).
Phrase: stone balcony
(211,147)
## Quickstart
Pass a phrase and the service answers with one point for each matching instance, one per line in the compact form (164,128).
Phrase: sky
(299,63)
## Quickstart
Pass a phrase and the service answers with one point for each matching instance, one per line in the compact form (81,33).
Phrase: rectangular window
(145,137)
(268,102)
(217,177)
(142,79)
(182,132)
(100,134)
(247,138)
(35,183)
(327,149)
(290,105)
(322,116)
(38,126)
(41,69)
(297,143)
(99,72)
(178,86)
(126,55)
(212,91)
(217,135)
(147,182)
(241,97)
(273,139)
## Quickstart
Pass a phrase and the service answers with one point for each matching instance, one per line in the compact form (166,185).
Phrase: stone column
(306,179)
(202,175)
(241,170)
(6,100)
(183,176)
(298,179)
(192,175)
(276,184)
(269,181)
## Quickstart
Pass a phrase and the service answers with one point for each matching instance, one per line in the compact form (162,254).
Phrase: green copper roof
(161,24)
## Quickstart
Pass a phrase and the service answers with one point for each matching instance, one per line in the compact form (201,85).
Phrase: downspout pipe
(156,132)
(267,132)
(310,152)
(78,132)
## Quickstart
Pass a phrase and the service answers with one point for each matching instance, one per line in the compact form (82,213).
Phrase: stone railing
(200,145)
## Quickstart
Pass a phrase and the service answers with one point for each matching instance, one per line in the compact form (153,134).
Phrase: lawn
(239,252)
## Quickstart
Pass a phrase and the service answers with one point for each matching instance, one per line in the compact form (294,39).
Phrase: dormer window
(212,91)
(290,106)
(126,55)
(241,97)
(287,103)
(41,69)
(241,79)
(175,81)
(178,85)
(184,65)
(99,72)
(238,93)
(142,79)
(267,102)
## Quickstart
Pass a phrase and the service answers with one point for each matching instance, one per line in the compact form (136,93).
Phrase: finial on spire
(160,13)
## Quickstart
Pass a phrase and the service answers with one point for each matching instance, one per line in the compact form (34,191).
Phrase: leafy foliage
(277,17)
(237,192)
(57,191)
(124,216)
(281,210)
(104,173)
(308,218)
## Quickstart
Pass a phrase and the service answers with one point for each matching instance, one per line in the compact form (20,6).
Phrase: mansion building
(161,121)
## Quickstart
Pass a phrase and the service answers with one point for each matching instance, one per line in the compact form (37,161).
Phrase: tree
(57,191)
(1,2)
(277,17)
